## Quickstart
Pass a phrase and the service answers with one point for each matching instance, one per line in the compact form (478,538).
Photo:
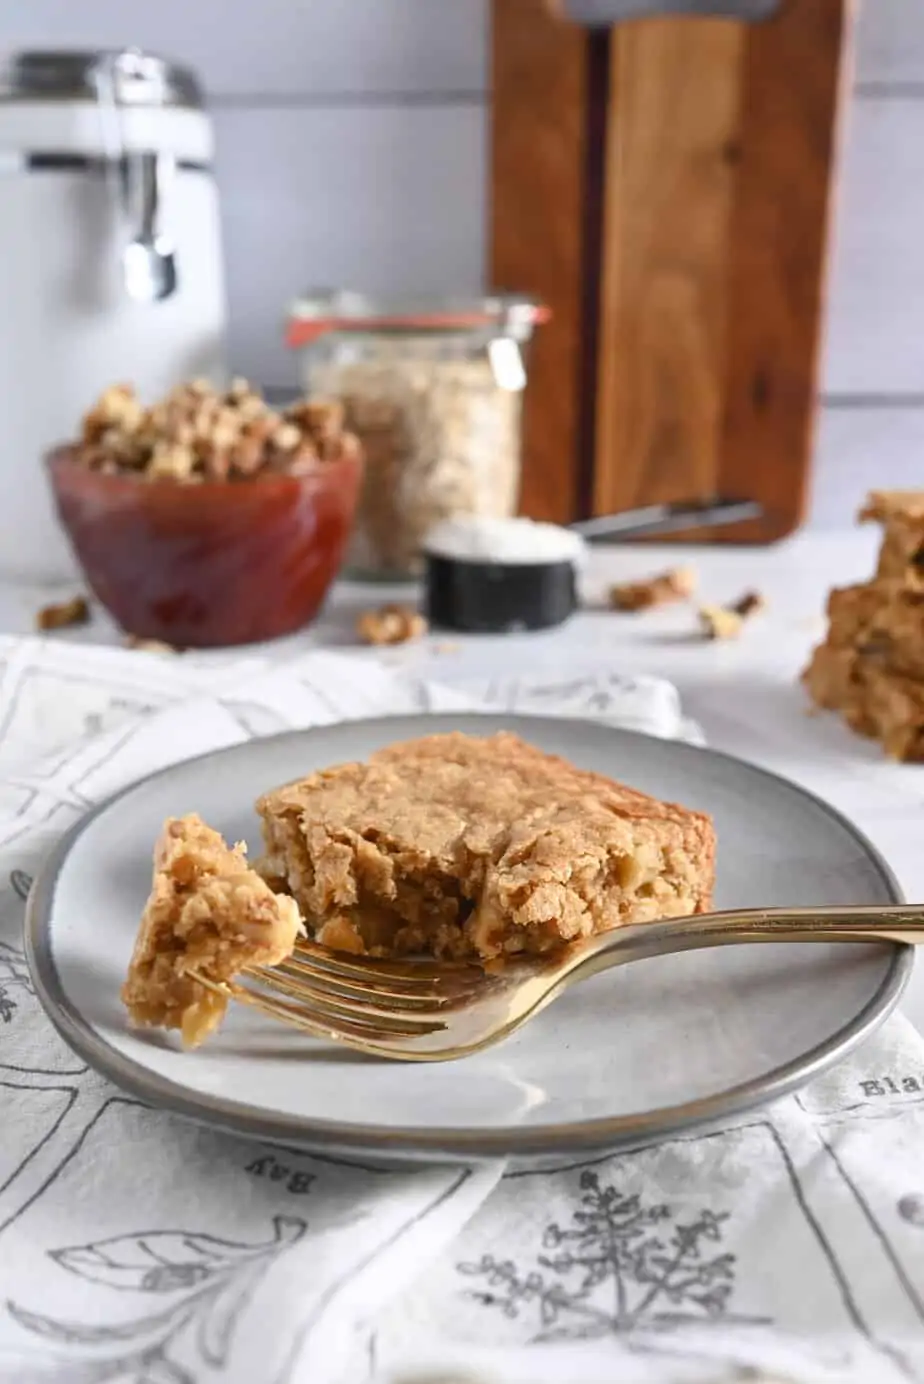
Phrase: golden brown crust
(208,911)
(457,844)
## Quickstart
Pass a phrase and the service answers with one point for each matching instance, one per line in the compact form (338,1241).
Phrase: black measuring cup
(487,595)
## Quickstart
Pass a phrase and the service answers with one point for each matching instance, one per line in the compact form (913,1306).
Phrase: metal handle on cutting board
(663,519)
(598,14)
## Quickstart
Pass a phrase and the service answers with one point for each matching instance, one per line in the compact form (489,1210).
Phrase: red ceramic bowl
(213,564)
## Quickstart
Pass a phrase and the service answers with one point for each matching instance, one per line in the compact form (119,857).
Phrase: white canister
(105,173)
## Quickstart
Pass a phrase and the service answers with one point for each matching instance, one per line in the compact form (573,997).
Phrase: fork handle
(867,923)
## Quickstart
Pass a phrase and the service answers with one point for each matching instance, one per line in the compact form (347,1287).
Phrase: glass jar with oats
(434,392)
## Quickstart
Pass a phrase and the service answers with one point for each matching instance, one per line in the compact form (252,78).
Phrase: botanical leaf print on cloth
(210,1279)
(618,1265)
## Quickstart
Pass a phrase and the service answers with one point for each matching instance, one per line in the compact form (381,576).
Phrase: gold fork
(430,1011)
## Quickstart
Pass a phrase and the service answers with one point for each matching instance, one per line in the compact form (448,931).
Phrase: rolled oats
(441,438)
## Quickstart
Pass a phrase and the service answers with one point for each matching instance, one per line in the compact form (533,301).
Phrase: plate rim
(471,1144)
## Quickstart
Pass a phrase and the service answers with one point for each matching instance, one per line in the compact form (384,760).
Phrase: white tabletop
(744,693)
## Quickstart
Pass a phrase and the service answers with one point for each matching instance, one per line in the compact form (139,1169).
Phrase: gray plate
(643,1051)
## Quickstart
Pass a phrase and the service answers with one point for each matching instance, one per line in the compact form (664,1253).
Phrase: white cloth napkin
(136,1247)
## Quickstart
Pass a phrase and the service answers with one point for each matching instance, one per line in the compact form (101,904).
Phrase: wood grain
(670,180)
(681,243)
(793,88)
(537,218)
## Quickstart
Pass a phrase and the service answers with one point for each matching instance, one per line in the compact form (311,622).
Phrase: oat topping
(197,433)
(391,624)
(676,584)
(76,611)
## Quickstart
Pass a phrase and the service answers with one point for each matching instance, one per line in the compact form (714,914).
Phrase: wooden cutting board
(665,186)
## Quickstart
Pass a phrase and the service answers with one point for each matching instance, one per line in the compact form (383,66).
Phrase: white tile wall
(351,150)
(890,42)
(858,448)
(876,311)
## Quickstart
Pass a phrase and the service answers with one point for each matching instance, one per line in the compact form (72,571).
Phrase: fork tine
(324,998)
(444,987)
(370,970)
(370,997)
(330,1010)
(321,1026)
(322,1021)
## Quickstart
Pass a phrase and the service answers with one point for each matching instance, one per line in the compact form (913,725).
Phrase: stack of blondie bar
(870,667)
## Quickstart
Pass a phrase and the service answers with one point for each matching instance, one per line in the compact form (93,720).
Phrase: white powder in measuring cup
(477,538)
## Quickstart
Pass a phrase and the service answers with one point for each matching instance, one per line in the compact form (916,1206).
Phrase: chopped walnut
(76,611)
(171,462)
(197,433)
(751,603)
(725,621)
(390,624)
(287,437)
(720,622)
(116,409)
(676,584)
(320,418)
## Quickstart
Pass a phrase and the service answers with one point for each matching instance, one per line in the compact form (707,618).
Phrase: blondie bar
(901,513)
(460,846)
(880,618)
(872,698)
(207,912)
